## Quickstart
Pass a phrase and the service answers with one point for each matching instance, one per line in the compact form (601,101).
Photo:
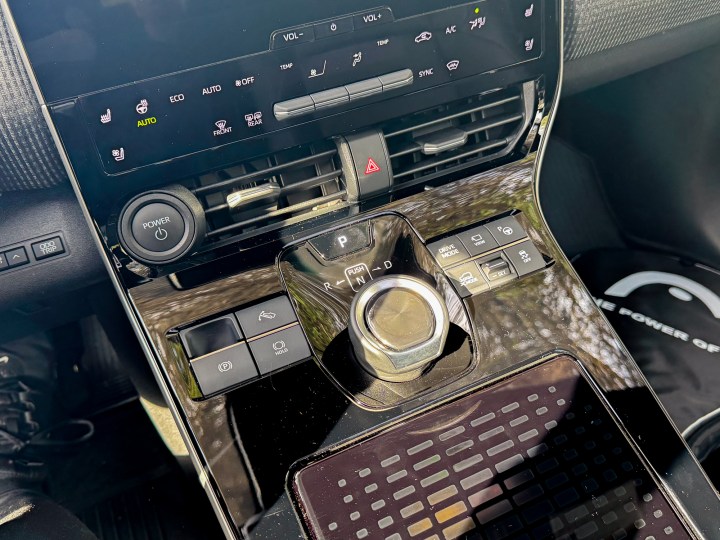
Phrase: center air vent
(270,192)
(459,134)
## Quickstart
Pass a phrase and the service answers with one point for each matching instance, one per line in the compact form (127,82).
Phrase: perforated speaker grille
(537,456)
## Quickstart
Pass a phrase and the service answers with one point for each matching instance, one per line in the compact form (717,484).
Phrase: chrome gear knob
(398,325)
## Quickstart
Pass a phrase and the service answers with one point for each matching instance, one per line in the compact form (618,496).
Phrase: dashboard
(322,221)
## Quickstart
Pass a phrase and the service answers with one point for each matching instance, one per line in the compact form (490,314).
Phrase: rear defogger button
(158,227)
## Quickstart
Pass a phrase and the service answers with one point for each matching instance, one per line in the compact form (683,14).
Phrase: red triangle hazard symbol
(372,167)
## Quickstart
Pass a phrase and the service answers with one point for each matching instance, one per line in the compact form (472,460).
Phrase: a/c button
(158,227)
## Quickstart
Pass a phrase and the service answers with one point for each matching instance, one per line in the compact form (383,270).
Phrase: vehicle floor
(123,483)
(665,309)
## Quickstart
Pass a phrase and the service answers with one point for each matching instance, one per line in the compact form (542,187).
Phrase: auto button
(158,227)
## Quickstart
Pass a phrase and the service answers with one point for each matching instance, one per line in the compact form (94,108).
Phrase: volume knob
(398,325)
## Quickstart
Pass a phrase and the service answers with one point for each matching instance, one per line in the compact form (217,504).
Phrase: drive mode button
(158,227)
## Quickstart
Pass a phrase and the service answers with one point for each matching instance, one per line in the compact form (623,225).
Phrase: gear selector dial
(398,325)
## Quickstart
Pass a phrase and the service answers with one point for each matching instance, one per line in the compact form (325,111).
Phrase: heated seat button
(158,227)
(343,242)
(224,369)
(17,257)
(280,349)
(449,251)
(266,317)
(525,258)
(506,230)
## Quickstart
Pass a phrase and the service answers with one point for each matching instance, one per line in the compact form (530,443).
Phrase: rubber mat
(668,315)
(125,484)
(536,456)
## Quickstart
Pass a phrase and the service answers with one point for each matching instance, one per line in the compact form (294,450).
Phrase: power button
(158,227)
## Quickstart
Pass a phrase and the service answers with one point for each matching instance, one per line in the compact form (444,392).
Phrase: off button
(158,227)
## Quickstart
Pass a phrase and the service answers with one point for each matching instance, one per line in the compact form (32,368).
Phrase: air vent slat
(431,143)
(446,118)
(277,213)
(311,182)
(264,173)
(427,164)
(269,192)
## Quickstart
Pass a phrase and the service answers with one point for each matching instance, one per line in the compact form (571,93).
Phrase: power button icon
(161,234)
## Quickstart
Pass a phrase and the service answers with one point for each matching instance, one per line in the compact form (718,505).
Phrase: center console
(322,221)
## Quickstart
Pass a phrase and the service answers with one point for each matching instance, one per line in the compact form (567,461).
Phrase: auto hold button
(158,227)
(280,349)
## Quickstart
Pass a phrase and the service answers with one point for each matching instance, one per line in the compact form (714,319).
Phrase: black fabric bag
(667,313)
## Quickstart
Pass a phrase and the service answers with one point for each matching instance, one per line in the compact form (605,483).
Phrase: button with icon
(266,317)
(142,107)
(506,230)
(478,241)
(220,371)
(280,349)
(334,27)
(106,117)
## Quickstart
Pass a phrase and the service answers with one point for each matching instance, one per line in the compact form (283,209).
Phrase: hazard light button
(370,163)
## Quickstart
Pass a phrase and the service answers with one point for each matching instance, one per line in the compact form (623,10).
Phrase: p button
(342,242)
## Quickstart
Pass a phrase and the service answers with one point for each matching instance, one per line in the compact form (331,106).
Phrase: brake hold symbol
(372,167)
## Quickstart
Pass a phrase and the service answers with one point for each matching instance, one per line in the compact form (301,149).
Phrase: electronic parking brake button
(342,242)
(224,369)
(266,317)
(448,251)
(158,227)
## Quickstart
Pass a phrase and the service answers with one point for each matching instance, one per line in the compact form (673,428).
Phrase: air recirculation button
(162,226)
(398,325)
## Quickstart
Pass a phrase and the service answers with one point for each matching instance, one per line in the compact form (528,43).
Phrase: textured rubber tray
(536,456)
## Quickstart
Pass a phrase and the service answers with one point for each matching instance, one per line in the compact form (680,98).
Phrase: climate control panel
(311,72)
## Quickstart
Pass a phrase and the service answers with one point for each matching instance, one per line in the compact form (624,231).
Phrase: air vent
(457,135)
(270,192)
